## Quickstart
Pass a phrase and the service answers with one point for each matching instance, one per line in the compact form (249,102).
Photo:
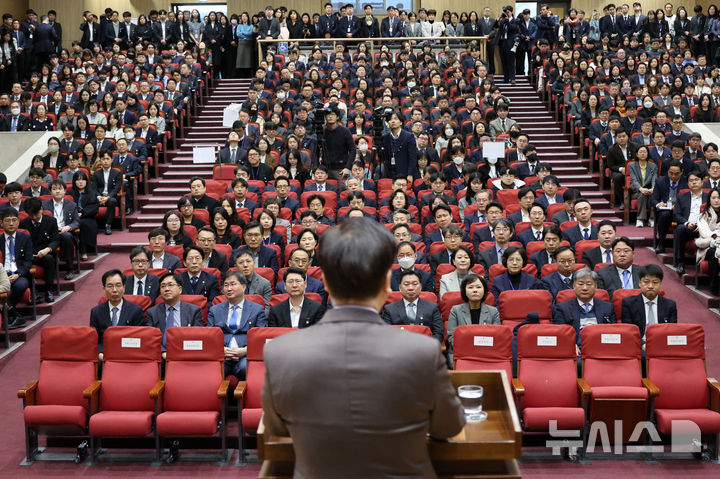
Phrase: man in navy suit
(328,22)
(236,317)
(195,280)
(140,282)
(108,182)
(686,214)
(390,25)
(407,257)
(44,41)
(649,307)
(17,251)
(664,199)
(562,279)
(584,309)
(240,189)
(584,230)
(66,214)
(264,257)
(413,310)
(282,189)
(493,211)
(597,128)
(603,252)
(300,259)
(550,185)
(401,149)
(115,311)
(622,274)
(348,26)
(297,311)
(552,236)
(157,239)
(321,175)
(536,230)
(172,312)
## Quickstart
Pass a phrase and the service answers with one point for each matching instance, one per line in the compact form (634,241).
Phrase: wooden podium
(488,449)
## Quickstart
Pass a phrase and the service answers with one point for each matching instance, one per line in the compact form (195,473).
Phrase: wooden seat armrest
(584,387)
(91,393)
(157,390)
(240,390)
(714,386)
(653,390)
(3,297)
(222,390)
(518,387)
(28,392)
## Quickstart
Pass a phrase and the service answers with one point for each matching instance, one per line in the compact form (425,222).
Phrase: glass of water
(471,399)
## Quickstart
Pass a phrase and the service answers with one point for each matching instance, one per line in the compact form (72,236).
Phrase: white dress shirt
(295,313)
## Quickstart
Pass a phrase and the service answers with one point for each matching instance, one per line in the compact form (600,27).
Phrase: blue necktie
(627,284)
(608,258)
(586,234)
(11,250)
(587,308)
(114,318)
(234,320)
(171,320)
(139,288)
(194,282)
(13,127)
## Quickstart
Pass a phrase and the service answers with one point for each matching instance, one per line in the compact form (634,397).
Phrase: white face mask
(53,148)
(383,64)
(411,84)
(458,160)
(492,161)
(281,95)
(449,132)
(648,104)
(406,262)
(15,111)
(129,135)
(363,147)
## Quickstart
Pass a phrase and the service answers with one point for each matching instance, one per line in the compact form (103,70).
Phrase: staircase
(205,130)
(553,146)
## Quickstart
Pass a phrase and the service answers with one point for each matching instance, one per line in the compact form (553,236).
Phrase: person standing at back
(329,388)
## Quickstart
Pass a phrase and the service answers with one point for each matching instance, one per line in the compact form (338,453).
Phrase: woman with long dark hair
(85,196)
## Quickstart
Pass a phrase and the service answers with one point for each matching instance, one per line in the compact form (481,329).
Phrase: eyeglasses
(232,285)
(169,285)
(139,261)
(295,281)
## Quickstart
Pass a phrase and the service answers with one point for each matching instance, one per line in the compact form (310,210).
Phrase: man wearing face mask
(135,146)
(407,259)
(14,121)
(529,168)
(455,170)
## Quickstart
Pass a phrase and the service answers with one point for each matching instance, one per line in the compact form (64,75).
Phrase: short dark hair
(158,232)
(355,257)
(469,279)
(651,270)
(140,250)
(236,274)
(623,239)
(109,273)
(554,229)
(510,250)
(176,277)
(607,223)
(409,272)
(32,205)
(562,249)
(190,248)
(251,225)
(294,270)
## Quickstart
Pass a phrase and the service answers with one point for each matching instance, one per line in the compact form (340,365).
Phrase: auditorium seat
(483,347)
(414,328)
(514,306)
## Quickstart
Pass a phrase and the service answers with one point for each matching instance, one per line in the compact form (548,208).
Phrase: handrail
(481,40)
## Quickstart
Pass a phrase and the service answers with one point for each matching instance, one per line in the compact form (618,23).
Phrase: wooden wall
(15,7)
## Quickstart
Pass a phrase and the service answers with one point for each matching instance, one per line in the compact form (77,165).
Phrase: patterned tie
(500,255)
(608,258)
(171,319)
(567,282)
(194,282)
(586,233)
(13,127)
(627,284)
(11,248)
(139,288)
(587,308)
(538,235)
(114,318)
(411,311)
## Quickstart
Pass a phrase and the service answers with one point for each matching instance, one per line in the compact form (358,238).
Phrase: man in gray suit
(413,310)
(256,284)
(172,312)
(348,413)
(622,274)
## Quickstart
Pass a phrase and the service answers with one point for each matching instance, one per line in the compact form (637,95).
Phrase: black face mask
(514,134)
(532,158)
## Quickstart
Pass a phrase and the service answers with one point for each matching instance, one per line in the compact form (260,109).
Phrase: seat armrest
(240,390)
(27,394)
(91,394)
(653,390)
(584,387)
(714,386)
(157,390)
(518,387)
(222,390)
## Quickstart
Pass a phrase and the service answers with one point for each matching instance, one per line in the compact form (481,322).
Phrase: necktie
(714,184)
(608,258)
(114,318)
(567,282)
(627,284)
(321,188)
(586,233)
(13,127)
(232,155)
(673,191)
(411,311)
(122,160)
(170,320)
(234,319)
(11,250)
(194,282)
(587,308)
(503,125)
(538,235)
(550,257)
(139,288)
(500,254)
(650,319)
(531,167)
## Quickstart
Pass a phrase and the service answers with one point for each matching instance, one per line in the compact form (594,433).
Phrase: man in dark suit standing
(584,309)
(356,258)
(172,312)
(141,283)
(268,27)
(115,311)
(195,280)
(348,26)
(649,307)
(413,310)
(622,274)
(44,233)
(297,311)
(66,214)
(163,31)
(52,17)
(108,182)
(17,253)
(44,41)
(91,31)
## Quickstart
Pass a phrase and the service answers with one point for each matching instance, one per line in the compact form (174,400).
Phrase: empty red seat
(483,347)
(414,328)
(514,306)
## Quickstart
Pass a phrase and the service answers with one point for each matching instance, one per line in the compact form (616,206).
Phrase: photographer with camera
(508,42)
(339,152)
(400,149)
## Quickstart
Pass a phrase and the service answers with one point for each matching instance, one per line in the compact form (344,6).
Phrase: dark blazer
(615,158)
(345,26)
(328,187)
(568,312)
(593,256)
(86,27)
(661,193)
(553,283)
(441,257)
(633,311)
(115,182)
(681,212)
(427,314)
(542,199)
(72,147)
(573,235)
(240,156)
(540,259)
(207,285)
(253,315)
(426,280)
(219,261)
(310,313)
(70,212)
(23,252)
(405,152)
(44,235)
(487,258)
(45,37)
(205,203)
(609,279)
(23,123)
(265,25)
(169,32)
(190,315)
(502,283)
(29,192)
(151,286)
(267,257)
(314,285)
(171,262)
(109,33)
(130,315)
(528,236)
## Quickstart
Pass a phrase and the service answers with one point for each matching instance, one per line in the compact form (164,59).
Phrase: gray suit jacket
(609,279)
(449,282)
(322,388)
(70,212)
(496,126)
(651,172)
(460,314)
(190,315)
(261,286)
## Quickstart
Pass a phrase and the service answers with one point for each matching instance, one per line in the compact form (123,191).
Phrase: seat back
(514,306)
(257,338)
(131,358)
(568,294)
(675,355)
(67,364)
(415,328)
(483,346)
(194,368)
(611,355)
(547,365)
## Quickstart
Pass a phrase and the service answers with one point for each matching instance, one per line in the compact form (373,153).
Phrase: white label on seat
(193,345)
(677,340)
(610,339)
(130,342)
(547,340)
(268,340)
(483,341)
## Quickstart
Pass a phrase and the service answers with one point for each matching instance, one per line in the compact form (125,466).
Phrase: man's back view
(356,395)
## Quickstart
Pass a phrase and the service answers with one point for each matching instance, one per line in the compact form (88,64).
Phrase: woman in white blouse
(463,260)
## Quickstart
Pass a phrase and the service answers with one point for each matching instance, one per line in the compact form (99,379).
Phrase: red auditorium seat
(514,306)
(483,347)
(414,328)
